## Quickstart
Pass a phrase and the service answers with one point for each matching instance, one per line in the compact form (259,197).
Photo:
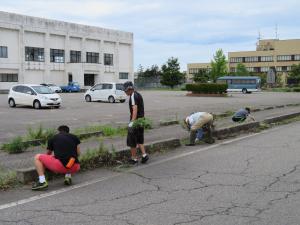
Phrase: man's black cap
(127,85)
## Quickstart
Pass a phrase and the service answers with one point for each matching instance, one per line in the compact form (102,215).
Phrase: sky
(190,30)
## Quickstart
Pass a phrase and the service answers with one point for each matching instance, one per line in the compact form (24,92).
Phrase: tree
(152,72)
(241,70)
(202,76)
(140,71)
(170,73)
(218,65)
(295,72)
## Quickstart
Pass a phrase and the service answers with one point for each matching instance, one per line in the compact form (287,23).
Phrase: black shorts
(135,136)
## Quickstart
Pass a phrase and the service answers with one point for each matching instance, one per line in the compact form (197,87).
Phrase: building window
(284,58)
(251,59)
(108,59)
(250,69)
(3,52)
(8,77)
(264,69)
(266,59)
(297,57)
(57,55)
(193,70)
(34,54)
(232,69)
(92,57)
(75,56)
(123,75)
(236,59)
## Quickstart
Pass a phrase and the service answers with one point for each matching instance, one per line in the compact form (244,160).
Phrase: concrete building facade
(36,50)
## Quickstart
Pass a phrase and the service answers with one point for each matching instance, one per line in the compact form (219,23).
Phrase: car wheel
(244,91)
(88,98)
(122,101)
(111,99)
(12,103)
(36,104)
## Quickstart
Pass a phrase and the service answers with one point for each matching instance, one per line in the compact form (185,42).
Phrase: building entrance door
(89,79)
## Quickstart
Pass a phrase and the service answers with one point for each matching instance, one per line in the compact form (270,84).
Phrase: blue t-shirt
(242,113)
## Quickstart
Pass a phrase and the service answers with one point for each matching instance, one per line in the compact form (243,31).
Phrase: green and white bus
(241,84)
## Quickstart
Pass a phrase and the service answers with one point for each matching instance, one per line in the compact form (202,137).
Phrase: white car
(34,95)
(53,87)
(110,92)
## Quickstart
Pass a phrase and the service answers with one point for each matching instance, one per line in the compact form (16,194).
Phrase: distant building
(193,68)
(275,54)
(270,54)
(36,50)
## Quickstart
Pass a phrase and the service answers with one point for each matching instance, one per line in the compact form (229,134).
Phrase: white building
(35,50)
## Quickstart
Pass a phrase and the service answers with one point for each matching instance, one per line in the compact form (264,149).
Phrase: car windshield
(75,84)
(42,90)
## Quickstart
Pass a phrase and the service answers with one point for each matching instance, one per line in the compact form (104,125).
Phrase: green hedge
(210,88)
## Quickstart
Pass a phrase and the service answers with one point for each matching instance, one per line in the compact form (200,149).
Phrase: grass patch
(15,146)
(8,179)
(94,158)
(39,133)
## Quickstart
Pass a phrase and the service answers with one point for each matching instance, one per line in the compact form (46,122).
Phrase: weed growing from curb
(7,179)
(16,145)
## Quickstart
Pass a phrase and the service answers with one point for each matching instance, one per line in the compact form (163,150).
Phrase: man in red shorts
(65,147)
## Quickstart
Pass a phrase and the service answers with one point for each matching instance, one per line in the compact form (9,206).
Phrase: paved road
(251,180)
(158,105)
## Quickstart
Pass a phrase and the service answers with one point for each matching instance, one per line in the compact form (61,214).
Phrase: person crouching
(62,157)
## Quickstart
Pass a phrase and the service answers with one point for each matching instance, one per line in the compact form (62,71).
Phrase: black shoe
(68,181)
(39,186)
(145,159)
(189,144)
(133,161)
(209,140)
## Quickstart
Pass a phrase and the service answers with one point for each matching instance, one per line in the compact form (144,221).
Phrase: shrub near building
(209,88)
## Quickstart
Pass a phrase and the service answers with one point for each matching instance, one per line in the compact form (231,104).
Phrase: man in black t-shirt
(64,160)
(135,136)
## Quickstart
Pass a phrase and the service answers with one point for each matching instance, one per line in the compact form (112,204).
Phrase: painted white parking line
(88,183)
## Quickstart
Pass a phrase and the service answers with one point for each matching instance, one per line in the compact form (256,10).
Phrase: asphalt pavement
(253,179)
(159,105)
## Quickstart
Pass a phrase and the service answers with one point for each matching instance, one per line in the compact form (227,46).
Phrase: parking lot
(159,105)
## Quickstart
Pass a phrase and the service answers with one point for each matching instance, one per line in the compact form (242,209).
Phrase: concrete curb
(29,174)
(277,119)
(233,130)
(168,123)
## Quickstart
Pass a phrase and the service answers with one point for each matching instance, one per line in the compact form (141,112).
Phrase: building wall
(193,68)
(19,31)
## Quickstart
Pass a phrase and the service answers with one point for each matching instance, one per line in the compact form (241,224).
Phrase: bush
(296,89)
(15,146)
(203,88)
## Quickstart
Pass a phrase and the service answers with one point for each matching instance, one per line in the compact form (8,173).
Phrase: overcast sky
(190,30)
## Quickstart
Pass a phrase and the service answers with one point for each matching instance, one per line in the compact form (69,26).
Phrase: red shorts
(54,165)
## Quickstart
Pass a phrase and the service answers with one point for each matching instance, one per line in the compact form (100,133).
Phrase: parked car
(53,87)
(34,95)
(110,92)
(71,87)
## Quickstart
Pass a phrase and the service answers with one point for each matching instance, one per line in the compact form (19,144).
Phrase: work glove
(130,124)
